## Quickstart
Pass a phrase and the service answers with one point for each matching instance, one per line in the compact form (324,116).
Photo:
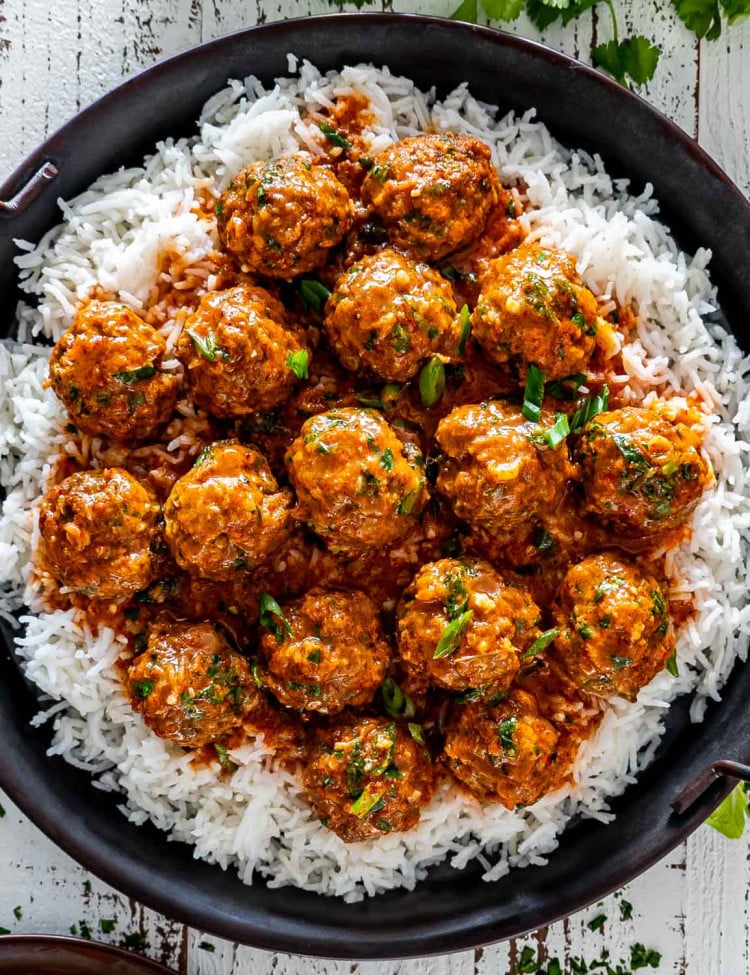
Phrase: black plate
(46,954)
(448,911)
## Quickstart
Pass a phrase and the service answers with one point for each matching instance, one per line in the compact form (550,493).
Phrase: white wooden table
(56,57)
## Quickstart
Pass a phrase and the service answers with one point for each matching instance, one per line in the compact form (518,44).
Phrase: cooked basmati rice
(113,236)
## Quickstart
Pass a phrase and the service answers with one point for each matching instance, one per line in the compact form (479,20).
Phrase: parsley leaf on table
(736,10)
(503,9)
(635,58)
(467,11)
(702,17)
(729,818)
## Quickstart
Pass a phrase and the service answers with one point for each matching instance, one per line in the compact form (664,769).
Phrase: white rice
(113,234)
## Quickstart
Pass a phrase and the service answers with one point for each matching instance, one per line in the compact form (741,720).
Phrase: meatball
(97,531)
(503,752)
(642,474)
(282,218)
(433,193)
(329,653)
(498,473)
(614,628)
(462,627)
(389,314)
(533,309)
(189,684)
(368,777)
(239,357)
(357,485)
(106,369)
(227,512)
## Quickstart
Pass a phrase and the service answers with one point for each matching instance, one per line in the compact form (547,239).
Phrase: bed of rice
(113,235)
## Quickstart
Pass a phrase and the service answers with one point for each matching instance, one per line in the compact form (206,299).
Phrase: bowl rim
(422,941)
(77,947)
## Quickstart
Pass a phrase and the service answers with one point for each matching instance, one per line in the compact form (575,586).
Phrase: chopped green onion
(389,396)
(136,375)
(465,329)
(107,925)
(269,609)
(452,634)
(333,136)
(396,702)
(432,382)
(366,803)
(224,760)
(669,468)
(298,362)
(559,389)
(505,733)
(558,431)
(589,408)
(372,402)
(541,643)
(415,730)
(672,664)
(533,394)
(407,504)
(314,294)
(206,347)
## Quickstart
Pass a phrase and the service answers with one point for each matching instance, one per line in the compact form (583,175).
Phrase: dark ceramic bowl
(44,954)
(448,911)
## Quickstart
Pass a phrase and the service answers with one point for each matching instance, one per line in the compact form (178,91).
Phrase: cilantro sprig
(630,60)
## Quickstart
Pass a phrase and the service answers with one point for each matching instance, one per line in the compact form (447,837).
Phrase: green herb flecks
(299,362)
(367,803)
(333,136)
(451,636)
(597,923)
(142,688)
(107,924)
(131,376)
(272,617)
(589,408)
(506,736)
(224,760)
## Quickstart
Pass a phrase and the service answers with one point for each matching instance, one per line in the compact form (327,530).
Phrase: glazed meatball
(227,513)
(329,653)
(107,371)
(614,627)
(498,473)
(189,684)
(642,474)
(462,627)
(239,356)
(368,777)
(533,309)
(357,485)
(97,532)
(503,752)
(388,314)
(282,218)
(433,193)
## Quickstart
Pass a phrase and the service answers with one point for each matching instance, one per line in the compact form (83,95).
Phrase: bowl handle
(29,191)
(705,779)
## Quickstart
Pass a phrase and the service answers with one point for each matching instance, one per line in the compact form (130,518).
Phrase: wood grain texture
(693,907)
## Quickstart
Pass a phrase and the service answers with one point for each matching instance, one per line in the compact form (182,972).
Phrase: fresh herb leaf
(333,136)
(702,17)
(107,924)
(503,9)
(452,634)
(468,11)
(635,58)
(314,294)
(272,617)
(533,394)
(396,701)
(626,911)
(729,818)
(643,957)
(432,382)
(541,643)
(131,376)
(597,923)
(298,362)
